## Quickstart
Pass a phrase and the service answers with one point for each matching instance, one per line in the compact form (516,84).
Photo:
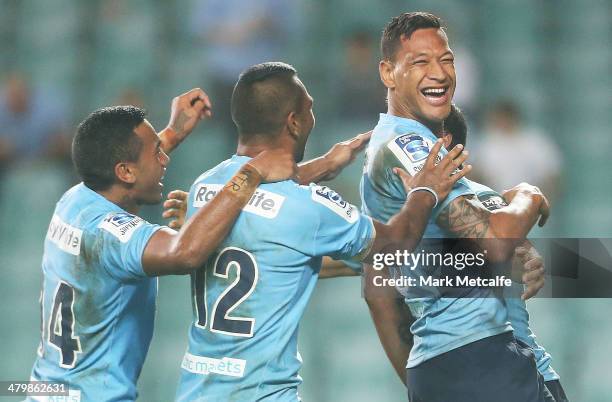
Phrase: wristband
(429,190)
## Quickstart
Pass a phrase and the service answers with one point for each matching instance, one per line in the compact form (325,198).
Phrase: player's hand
(533,192)
(175,208)
(186,112)
(528,265)
(343,153)
(440,177)
(274,165)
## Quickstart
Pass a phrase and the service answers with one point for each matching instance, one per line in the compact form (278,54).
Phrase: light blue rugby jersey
(517,309)
(249,298)
(98,306)
(441,323)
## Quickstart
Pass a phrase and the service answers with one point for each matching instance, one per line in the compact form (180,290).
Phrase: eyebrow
(448,52)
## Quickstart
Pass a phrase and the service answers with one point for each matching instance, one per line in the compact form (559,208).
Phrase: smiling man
(463,346)
(100,259)
(249,298)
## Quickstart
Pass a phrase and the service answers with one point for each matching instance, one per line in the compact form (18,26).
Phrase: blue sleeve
(410,151)
(342,232)
(123,238)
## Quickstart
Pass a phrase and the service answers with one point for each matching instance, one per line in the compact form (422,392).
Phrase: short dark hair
(105,138)
(263,96)
(405,24)
(456,125)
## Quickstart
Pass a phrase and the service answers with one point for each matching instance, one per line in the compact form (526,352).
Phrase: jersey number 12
(237,292)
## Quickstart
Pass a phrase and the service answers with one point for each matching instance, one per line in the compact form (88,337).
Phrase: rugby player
(100,259)
(455,132)
(249,298)
(463,345)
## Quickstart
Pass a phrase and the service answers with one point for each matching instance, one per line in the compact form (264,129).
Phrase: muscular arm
(405,229)
(185,113)
(468,218)
(314,170)
(390,315)
(169,252)
(392,320)
(331,268)
(328,166)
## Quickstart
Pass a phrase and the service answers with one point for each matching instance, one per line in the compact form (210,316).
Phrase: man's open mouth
(436,96)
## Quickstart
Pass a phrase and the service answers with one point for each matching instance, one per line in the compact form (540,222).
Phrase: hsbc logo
(263,203)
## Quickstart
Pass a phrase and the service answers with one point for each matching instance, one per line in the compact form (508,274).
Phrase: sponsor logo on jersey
(208,365)
(491,201)
(412,151)
(263,203)
(332,200)
(121,224)
(414,146)
(64,236)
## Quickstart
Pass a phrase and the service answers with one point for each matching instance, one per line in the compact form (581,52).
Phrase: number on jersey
(237,292)
(61,326)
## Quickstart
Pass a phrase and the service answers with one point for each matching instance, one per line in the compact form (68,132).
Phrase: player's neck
(121,198)
(399,110)
(259,143)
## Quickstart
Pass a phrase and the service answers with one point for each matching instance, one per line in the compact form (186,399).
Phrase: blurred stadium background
(61,59)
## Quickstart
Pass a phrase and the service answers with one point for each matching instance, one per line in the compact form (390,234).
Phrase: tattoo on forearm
(241,179)
(465,217)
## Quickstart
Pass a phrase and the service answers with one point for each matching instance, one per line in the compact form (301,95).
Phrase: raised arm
(169,252)
(186,111)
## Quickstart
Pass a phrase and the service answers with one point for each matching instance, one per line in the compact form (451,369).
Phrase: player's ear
(386,71)
(293,125)
(125,172)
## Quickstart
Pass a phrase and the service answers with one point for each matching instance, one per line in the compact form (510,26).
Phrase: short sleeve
(342,231)
(122,238)
(410,152)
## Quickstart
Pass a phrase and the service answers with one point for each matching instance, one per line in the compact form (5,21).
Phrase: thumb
(402,174)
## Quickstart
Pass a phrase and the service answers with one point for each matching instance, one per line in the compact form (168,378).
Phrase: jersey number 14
(60,332)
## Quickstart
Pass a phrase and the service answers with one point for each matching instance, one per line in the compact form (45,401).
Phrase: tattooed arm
(186,112)
(468,218)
